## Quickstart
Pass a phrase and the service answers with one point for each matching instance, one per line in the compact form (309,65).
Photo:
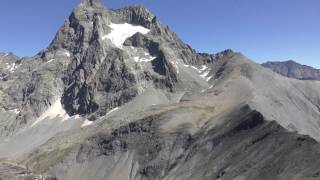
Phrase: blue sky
(261,29)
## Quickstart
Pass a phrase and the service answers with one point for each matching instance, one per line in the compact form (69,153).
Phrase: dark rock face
(294,70)
(97,69)
(89,74)
(137,15)
(98,77)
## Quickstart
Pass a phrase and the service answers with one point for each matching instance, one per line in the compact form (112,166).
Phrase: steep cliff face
(100,59)
(293,69)
(110,55)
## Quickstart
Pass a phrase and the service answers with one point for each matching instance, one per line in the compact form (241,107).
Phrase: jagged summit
(6,54)
(93,3)
(97,38)
(139,11)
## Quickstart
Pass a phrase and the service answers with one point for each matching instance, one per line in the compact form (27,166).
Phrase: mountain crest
(93,3)
(293,69)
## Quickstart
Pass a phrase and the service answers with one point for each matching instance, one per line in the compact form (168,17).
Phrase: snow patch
(50,60)
(175,65)
(16,111)
(120,32)
(113,110)
(55,110)
(67,53)
(11,67)
(195,68)
(147,58)
(86,123)
(204,71)
(204,67)
(204,90)
(76,116)
(205,74)
(209,78)
(136,59)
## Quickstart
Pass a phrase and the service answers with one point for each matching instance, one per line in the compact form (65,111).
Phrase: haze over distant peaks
(293,69)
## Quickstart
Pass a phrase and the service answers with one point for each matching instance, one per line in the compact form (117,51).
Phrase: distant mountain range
(293,69)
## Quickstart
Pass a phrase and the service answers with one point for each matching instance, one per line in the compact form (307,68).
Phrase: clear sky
(261,29)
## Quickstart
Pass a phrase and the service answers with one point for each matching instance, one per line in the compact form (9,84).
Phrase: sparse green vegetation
(42,161)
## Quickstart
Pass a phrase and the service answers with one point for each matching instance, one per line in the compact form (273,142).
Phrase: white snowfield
(139,55)
(67,53)
(204,71)
(15,111)
(89,123)
(175,65)
(112,110)
(86,123)
(12,67)
(204,67)
(147,58)
(204,74)
(120,32)
(50,60)
(56,110)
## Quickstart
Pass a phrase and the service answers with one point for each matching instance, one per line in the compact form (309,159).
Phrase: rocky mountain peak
(293,69)
(227,52)
(292,63)
(92,3)
(8,54)
(102,62)
(137,14)
(103,58)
